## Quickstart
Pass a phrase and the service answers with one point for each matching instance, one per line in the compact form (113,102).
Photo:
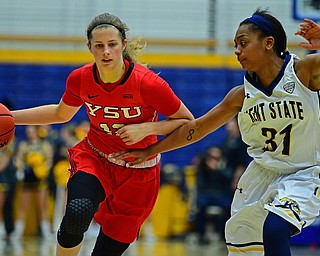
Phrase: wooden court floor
(35,246)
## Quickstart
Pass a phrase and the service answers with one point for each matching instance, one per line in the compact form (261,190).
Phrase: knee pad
(79,213)
(76,221)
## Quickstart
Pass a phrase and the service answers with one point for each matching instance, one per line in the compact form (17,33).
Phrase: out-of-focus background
(189,43)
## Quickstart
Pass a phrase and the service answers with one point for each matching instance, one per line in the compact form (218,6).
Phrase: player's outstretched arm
(45,114)
(309,30)
(192,131)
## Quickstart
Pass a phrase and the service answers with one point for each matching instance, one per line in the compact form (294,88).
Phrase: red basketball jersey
(136,98)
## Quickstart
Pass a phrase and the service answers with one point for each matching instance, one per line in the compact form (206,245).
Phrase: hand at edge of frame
(310,31)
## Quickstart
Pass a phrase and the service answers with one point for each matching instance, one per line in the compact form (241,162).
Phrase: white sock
(2,229)
(45,228)
(19,228)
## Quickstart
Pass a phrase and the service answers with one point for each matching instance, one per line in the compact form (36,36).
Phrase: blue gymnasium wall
(199,88)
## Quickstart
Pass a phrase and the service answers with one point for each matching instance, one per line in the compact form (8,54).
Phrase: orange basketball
(7,127)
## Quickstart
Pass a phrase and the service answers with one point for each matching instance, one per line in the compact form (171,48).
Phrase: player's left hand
(309,30)
(133,133)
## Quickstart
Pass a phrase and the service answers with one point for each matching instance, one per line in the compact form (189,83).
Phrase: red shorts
(130,193)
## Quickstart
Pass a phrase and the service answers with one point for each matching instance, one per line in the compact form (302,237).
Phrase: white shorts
(295,197)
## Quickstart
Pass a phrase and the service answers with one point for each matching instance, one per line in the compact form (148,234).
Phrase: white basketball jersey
(281,124)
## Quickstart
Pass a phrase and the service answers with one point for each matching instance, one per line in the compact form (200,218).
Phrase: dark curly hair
(280,37)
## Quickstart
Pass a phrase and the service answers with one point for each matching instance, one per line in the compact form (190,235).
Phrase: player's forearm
(185,135)
(196,129)
(165,127)
(38,115)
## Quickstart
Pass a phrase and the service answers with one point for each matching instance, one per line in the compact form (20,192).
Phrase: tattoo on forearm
(191,131)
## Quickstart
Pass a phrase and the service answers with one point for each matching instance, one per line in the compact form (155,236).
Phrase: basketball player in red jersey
(122,100)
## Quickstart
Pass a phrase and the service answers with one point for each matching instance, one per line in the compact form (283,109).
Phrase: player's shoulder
(79,70)
(235,97)
(140,69)
(237,91)
(145,74)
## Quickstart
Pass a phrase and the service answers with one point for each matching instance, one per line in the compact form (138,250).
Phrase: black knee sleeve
(67,240)
(79,213)
(84,195)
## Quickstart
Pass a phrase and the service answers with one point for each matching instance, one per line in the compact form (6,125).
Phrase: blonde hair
(134,47)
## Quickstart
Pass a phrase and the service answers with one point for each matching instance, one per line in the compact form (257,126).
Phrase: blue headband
(263,24)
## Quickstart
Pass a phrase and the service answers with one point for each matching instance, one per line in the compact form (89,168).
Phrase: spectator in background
(213,189)
(47,133)
(82,129)
(7,173)
(66,140)
(33,161)
(235,153)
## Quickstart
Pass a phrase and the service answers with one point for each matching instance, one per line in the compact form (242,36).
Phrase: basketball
(7,127)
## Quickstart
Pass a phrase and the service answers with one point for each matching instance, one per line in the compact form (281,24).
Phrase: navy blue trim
(263,24)
(94,70)
(125,78)
(268,90)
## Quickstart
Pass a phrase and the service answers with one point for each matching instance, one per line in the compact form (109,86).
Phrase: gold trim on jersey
(247,248)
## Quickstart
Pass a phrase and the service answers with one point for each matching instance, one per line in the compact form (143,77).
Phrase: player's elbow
(62,117)
(190,118)
(186,120)
(64,113)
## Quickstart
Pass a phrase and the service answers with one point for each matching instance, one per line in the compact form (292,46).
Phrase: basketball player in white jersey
(279,118)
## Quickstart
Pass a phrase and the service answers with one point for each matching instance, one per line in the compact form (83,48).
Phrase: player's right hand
(309,30)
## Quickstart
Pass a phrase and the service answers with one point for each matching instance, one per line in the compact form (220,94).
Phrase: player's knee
(276,235)
(79,213)
(276,229)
